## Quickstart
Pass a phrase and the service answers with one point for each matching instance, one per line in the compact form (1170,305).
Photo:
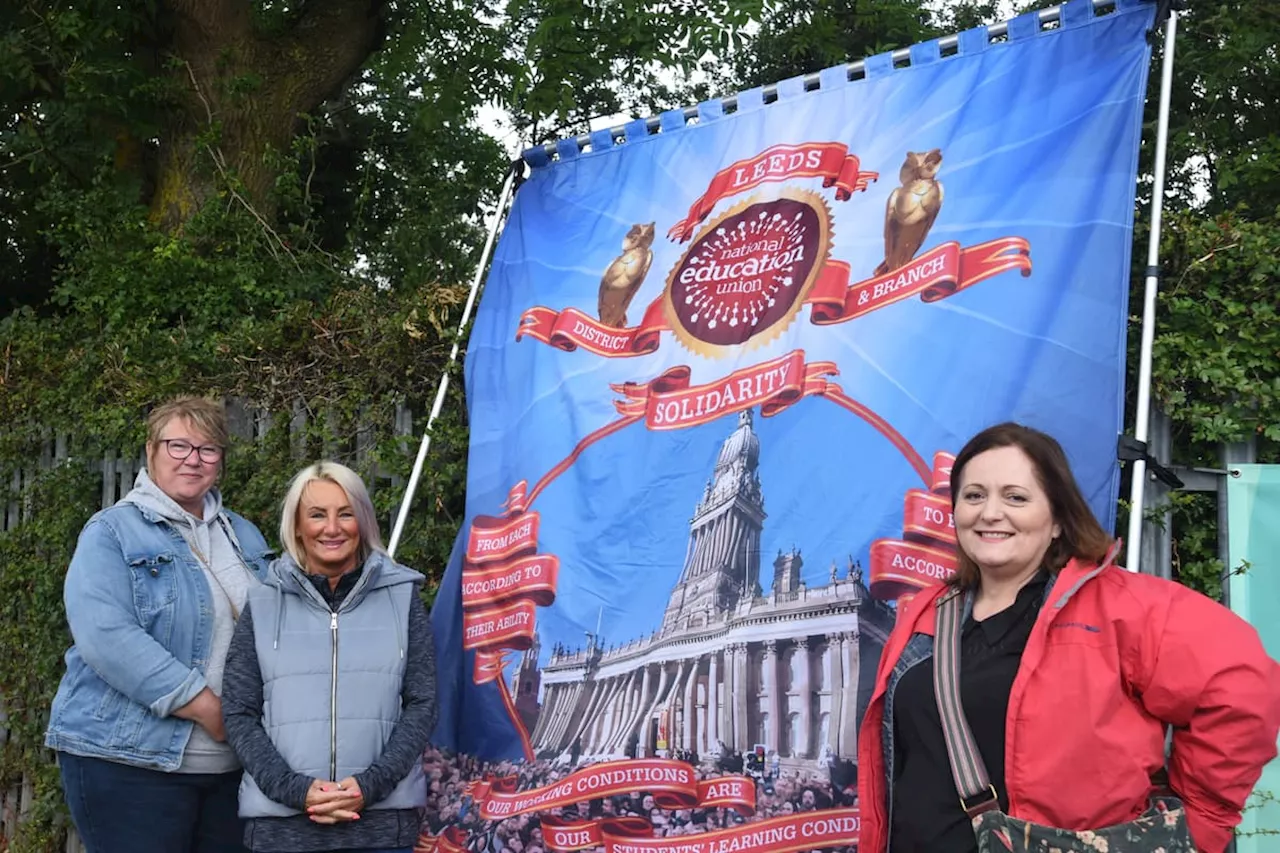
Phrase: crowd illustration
(779,793)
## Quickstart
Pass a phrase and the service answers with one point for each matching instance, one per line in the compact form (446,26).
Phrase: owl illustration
(911,210)
(624,276)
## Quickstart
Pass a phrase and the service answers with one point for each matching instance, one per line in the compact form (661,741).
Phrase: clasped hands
(334,802)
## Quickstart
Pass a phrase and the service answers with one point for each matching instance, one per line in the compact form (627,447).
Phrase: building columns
(835,687)
(771,694)
(543,715)
(713,704)
(615,709)
(849,719)
(741,737)
(689,709)
(804,692)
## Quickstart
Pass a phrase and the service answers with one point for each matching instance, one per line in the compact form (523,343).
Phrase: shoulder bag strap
(977,794)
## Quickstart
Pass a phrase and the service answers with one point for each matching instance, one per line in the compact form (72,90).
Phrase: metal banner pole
(1152,285)
(443,387)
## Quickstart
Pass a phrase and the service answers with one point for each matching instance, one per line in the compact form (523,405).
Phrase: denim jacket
(141,617)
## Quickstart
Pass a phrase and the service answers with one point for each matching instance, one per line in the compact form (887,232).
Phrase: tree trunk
(244,93)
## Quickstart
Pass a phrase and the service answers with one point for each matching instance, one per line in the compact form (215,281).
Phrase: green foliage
(168,232)
(804,37)
(564,62)
(1216,368)
(33,634)
(183,215)
(1258,801)
(1216,353)
(348,360)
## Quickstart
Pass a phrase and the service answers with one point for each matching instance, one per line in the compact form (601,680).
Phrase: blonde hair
(205,416)
(350,483)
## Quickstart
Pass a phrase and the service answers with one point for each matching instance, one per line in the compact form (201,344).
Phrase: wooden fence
(117,472)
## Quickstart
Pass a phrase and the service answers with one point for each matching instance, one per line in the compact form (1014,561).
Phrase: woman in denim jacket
(152,594)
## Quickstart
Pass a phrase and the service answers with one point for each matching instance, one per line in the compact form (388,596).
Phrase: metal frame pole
(1152,285)
(443,387)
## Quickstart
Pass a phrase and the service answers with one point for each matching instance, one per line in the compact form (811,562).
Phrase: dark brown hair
(1081,535)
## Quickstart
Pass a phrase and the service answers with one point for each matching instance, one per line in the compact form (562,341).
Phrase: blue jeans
(117,808)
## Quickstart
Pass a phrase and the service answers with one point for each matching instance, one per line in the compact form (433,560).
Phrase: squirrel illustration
(625,275)
(911,210)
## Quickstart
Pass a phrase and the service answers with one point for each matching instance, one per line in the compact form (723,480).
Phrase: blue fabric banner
(715,385)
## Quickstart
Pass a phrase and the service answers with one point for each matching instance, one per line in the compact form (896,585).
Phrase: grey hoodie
(229,581)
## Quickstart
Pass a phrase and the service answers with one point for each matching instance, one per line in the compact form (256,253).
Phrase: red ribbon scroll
(569,329)
(941,272)
(507,627)
(813,830)
(927,518)
(728,792)
(566,836)
(452,839)
(504,581)
(498,539)
(670,402)
(926,554)
(830,161)
(673,784)
(533,578)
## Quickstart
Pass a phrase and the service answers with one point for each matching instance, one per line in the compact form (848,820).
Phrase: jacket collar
(156,506)
(379,571)
(1074,575)
(1077,573)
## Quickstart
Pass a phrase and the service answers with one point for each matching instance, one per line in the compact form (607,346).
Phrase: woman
(329,696)
(152,594)
(1070,672)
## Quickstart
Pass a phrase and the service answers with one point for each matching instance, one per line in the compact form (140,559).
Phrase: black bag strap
(977,794)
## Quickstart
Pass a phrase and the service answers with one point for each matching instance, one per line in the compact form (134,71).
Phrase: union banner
(717,382)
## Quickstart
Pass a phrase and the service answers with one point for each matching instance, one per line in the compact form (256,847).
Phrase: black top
(927,817)
(334,596)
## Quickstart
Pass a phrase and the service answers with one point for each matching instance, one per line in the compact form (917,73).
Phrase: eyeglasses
(180,449)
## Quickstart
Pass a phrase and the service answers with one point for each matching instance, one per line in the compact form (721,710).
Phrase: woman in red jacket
(1071,672)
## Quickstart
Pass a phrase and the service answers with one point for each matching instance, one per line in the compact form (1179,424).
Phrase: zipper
(333,700)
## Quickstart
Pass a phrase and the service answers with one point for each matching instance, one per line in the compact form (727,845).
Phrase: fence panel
(118,471)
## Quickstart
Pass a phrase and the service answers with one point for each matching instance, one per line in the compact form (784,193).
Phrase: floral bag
(1162,828)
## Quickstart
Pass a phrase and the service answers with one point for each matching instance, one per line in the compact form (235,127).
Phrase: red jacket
(1113,657)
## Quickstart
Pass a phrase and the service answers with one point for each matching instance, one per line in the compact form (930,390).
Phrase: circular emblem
(747,273)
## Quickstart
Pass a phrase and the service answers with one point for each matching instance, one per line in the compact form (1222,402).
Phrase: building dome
(742,444)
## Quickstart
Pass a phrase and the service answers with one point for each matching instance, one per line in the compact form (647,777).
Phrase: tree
(275,200)
(803,37)
(1216,370)
(311,117)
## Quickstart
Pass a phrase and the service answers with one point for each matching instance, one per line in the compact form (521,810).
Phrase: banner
(1253,542)
(717,382)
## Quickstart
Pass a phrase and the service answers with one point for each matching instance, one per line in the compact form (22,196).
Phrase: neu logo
(746,275)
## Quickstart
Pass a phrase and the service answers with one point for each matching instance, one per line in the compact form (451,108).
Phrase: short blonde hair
(347,480)
(205,416)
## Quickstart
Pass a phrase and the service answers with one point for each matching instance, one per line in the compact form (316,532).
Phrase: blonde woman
(329,695)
